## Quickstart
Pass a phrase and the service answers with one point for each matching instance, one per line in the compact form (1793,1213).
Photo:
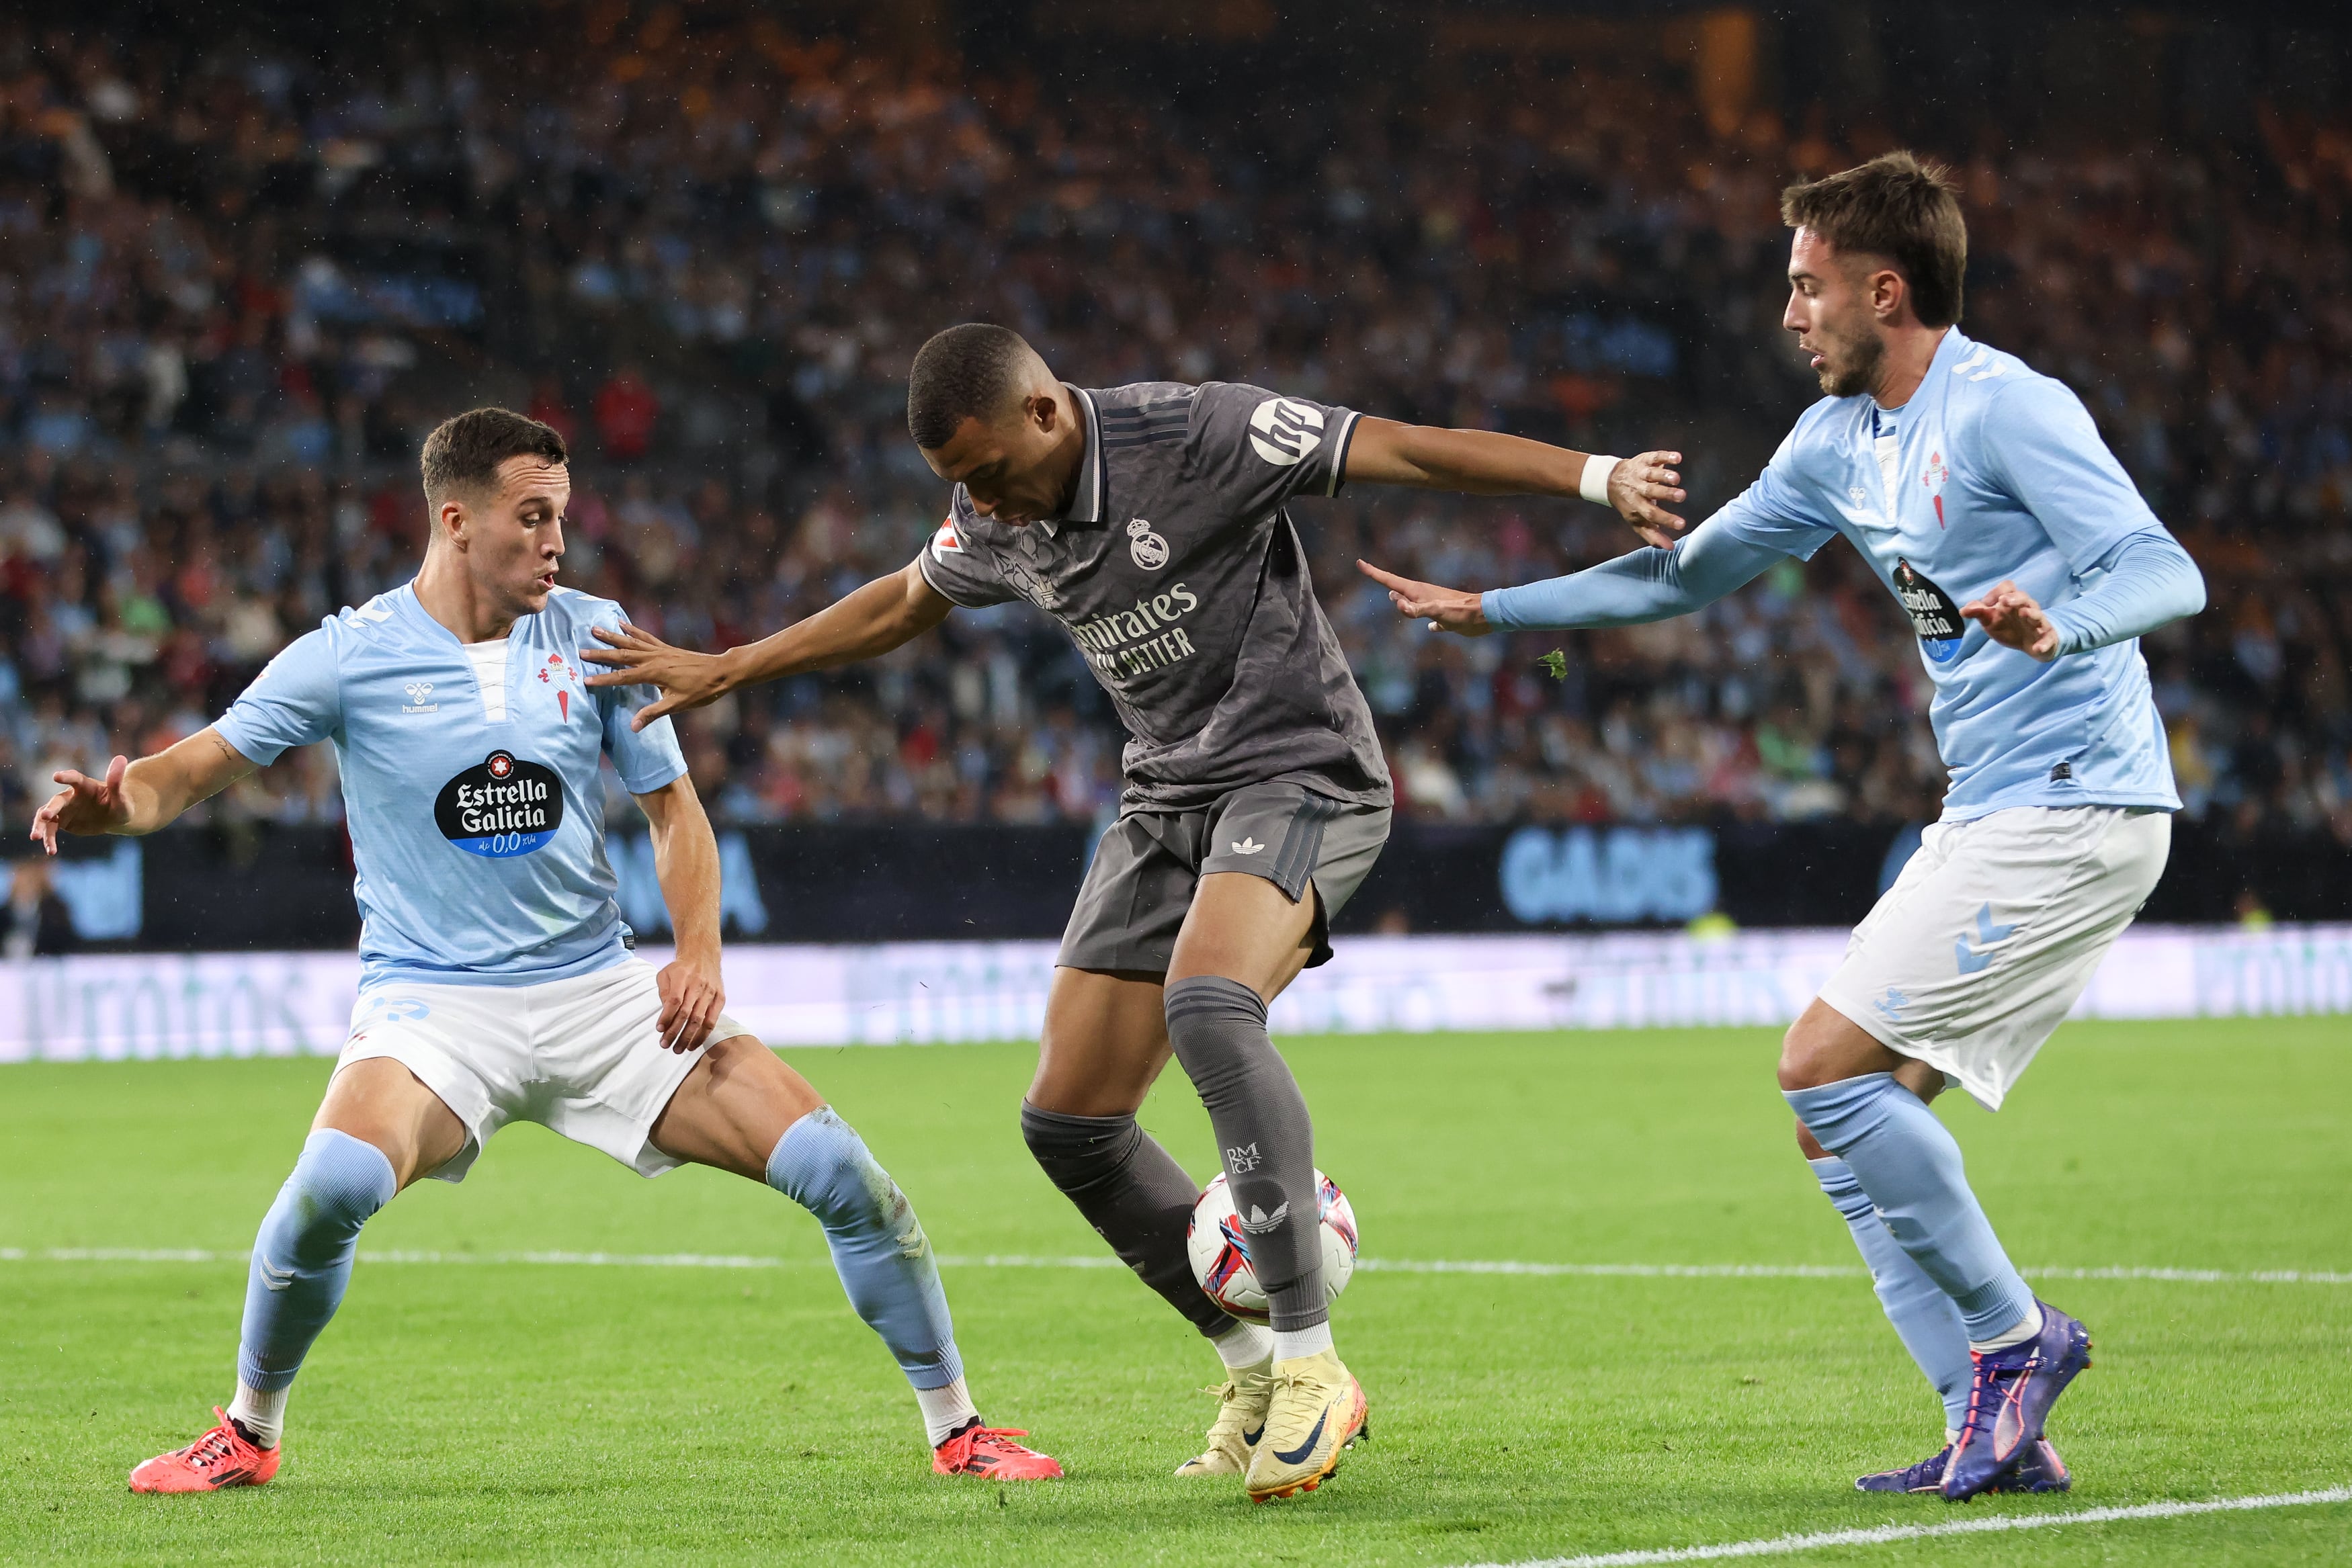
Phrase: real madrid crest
(1150,550)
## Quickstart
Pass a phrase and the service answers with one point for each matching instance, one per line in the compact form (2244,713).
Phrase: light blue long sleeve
(1646,585)
(2146,580)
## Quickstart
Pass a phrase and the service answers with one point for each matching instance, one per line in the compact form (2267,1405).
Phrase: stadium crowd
(234,292)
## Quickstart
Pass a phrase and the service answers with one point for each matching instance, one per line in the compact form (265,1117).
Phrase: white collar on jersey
(1087,498)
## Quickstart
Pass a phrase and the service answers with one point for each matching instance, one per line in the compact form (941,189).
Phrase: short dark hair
(970,372)
(1898,207)
(464,452)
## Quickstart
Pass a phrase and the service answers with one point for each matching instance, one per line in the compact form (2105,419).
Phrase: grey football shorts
(1141,884)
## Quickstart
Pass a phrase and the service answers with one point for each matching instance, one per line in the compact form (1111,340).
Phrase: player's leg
(378,1129)
(1104,1044)
(1970,992)
(1242,942)
(740,1109)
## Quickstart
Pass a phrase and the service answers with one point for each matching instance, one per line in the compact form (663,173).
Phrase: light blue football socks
(300,1266)
(1924,1317)
(879,1250)
(1909,1165)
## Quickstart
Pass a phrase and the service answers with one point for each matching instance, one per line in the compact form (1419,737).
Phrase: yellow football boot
(1239,1423)
(1317,1409)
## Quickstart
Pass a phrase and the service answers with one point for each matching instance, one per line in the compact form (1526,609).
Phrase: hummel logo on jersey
(417,692)
(1971,959)
(1283,431)
(1246,846)
(1892,1004)
(1148,549)
(1243,1160)
(1260,1222)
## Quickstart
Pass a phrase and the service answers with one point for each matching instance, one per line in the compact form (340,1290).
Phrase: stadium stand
(710,260)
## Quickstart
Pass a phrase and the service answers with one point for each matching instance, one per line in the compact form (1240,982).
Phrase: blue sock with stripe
(879,1250)
(1909,1165)
(1924,1319)
(301,1264)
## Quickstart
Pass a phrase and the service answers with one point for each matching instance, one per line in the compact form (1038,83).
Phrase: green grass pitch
(519,1412)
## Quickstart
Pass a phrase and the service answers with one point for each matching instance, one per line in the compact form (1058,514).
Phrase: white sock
(1243,1345)
(263,1416)
(945,1410)
(1290,1346)
(1951,1436)
(2027,1327)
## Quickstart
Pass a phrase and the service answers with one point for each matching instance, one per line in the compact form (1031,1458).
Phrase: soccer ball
(1220,1248)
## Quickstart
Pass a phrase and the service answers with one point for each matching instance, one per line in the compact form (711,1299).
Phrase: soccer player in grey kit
(1148,520)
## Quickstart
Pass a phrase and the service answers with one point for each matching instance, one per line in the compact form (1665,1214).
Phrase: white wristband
(1594,484)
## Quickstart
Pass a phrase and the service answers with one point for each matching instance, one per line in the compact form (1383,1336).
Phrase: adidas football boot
(222,1456)
(1241,1421)
(1317,1410)
(2010,1400)
(991,1452)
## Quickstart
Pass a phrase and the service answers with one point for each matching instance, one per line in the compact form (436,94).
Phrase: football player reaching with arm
(1149,521)
(495,965)
(1949,465)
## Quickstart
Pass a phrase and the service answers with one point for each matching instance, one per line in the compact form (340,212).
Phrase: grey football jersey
(1183,580)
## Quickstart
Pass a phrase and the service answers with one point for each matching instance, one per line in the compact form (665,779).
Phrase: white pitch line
(1781,1545)
(1026,1260)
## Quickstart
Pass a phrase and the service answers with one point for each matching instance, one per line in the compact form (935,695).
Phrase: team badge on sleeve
(945,540)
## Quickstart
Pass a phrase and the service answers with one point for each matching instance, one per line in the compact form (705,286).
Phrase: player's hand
(1637,484)
(85,805)
(2011,618)
(692,998)
(1445,609)
(634,657)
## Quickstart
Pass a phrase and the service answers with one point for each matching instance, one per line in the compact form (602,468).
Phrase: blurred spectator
(34,922)
(626,410)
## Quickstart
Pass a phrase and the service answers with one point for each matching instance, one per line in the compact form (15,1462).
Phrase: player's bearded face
(1829,312)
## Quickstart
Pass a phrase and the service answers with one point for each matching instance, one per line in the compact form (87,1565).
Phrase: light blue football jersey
(1991,472)
(477,817)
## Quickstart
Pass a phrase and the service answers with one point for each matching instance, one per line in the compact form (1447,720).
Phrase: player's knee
(1077,1153)
(336,1186)
(824,1166)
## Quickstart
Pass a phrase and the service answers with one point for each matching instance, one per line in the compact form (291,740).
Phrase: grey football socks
(1218,1028)
(1133,1193)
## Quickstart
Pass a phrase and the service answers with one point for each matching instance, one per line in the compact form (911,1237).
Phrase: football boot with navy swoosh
(1317,1411)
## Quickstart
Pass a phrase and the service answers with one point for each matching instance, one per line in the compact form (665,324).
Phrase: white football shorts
(580,1057)
(1975,954)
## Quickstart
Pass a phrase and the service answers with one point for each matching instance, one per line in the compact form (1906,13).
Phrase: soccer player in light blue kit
(2028,566)
(497,981)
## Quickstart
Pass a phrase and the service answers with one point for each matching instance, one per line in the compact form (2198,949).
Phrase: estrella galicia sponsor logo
(1933,614)
(1148,549)
(1285,430)
(417,692)
(503,807)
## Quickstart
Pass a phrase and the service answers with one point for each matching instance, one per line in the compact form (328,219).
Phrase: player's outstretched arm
(1644,585)
(685,863)
(2145,581)
(872,620)
(1487,463)
(140,796)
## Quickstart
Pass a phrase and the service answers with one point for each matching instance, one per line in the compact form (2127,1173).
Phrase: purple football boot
(2010,1400)
(2041,1470)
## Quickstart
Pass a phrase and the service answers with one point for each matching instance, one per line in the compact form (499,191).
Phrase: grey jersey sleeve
(1257,449)
(962,573)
